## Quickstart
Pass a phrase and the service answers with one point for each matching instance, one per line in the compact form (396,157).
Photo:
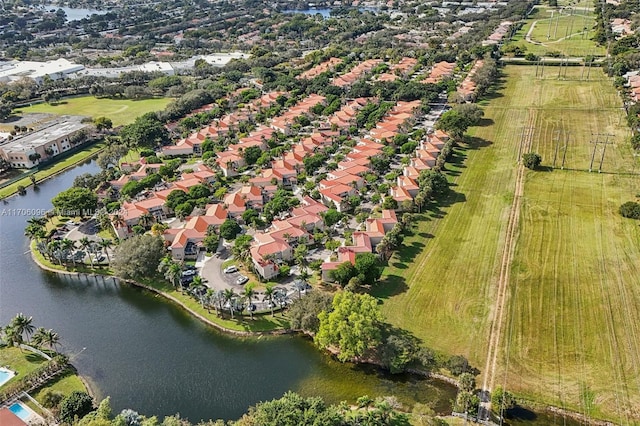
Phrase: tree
(353,325)
(331,217)
(5,110)
(368,267)
(173,274)
(248,295)
(77,404)
(229,229)
(103,123)
(87,245)
(343,273)
(138,256)
(389,203)
(22,325)
(269,296)
(531,160)
(502,400)
(75,202)
(106,244)
(454,123)
(145,131)
(229,297)
(630,210)
(251,154)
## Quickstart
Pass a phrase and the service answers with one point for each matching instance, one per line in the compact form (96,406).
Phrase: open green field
(568,33)
(120,111)
(573,335)
(572,326)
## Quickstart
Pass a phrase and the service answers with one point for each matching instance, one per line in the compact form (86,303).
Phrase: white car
(230,269)
(241,280)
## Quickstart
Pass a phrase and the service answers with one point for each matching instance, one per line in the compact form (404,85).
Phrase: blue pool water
(20,411)
(5,376)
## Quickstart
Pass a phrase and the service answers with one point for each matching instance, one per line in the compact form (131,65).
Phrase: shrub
(531,160)
(77,404)
(630,209)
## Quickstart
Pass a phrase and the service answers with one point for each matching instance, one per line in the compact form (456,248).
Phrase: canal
(152,357)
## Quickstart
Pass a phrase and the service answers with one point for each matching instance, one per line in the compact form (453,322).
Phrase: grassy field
(120,111)
(572,328)
(573,336)
(566,33)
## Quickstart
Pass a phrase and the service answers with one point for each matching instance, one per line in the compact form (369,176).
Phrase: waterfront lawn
(79,267)
(120,111)
(54,168)
(20,361)
(65,384)
(260,323)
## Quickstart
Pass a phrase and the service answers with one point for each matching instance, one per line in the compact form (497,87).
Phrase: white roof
(16,69)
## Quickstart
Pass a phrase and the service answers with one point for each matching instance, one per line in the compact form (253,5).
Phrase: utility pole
(595,148)
(550,22)
(564,153)
(556,142)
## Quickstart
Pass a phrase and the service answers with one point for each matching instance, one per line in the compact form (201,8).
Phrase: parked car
(230,269)
(189,273)
(241,280)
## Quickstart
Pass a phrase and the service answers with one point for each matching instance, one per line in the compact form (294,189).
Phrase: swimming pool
(21,411)
(5,375)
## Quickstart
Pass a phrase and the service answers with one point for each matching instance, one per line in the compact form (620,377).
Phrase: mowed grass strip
(441,285)
(573,336)
(120,111)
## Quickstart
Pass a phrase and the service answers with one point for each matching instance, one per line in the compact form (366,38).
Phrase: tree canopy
(145,131)
(76,202)
(352,326)
(138,256)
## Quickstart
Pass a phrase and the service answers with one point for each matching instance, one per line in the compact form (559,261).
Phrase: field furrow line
(497,318)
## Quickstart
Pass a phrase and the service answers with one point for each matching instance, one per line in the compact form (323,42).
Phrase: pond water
(152,357)
(75,14)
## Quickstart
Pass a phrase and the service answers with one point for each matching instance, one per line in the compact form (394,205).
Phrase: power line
(604,144)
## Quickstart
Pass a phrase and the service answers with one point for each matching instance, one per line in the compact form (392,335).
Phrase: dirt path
(498,313)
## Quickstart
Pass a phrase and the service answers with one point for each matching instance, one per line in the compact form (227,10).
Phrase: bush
(531,160)
(51,399)
(630,209)
(77,404)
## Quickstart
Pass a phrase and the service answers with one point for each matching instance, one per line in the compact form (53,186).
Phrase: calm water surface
(150,356)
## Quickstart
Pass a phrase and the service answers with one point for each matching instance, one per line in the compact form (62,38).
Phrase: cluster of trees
(134,187)
(76,201)
(146,131)
(21,329)
(366,271)
(182,203)
(456,121)
(36,378)
(138,256)
(351,326)
(289,410)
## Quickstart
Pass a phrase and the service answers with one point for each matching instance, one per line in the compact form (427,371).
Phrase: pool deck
(10,375)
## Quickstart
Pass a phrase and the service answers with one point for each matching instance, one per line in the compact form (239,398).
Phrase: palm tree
(146,220)
(248,294)
(40,221)
(87,244)
(106,244)
(22,324)
(210,297)
(196,288)
(173,274)
(54,248)
(118,221)
(68,245)
(269,295)
(50,338)
(38,336)
(383,248)
(228,296)
(33,230)
(12,336)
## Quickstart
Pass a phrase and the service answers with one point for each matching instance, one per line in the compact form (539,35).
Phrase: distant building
(15,70)
(29,150)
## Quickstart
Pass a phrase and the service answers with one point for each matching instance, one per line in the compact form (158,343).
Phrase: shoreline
(280,332)
(54,174)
